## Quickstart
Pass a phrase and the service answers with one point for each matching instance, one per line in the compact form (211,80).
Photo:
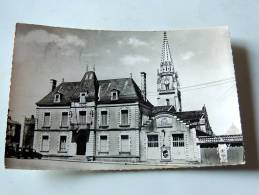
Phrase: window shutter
(119,142)
(130,143)
(99,118)
(108,117)
(119,117)
(88,117)
(129,116)
(108,144)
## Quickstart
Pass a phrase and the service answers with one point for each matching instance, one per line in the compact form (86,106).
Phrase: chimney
(54,84)
(144,85)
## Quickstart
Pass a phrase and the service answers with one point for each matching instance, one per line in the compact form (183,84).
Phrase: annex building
(112,120)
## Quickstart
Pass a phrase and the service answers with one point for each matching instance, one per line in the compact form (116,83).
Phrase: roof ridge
(114,79)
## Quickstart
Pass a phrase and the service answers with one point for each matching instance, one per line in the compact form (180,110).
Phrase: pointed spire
(166,53)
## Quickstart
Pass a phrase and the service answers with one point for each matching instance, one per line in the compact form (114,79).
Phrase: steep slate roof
(70,91)
(66,89)
(190,116)
(128,91)
(193,117)
(88,84)
(159,109)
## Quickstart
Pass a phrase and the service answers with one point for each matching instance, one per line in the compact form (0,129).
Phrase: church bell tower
(168,87)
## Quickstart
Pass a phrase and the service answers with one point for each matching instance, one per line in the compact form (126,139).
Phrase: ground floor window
(152,140)
(104,143)
(45,143)
(63,144)
(124,143)
(178,140)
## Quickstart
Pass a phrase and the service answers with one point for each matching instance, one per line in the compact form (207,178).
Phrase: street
(55,164)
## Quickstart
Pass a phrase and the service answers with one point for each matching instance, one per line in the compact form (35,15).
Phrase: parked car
(10,151)
(28,153)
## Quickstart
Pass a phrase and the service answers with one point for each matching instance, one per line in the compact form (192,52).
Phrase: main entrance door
(82,138)
(153,150)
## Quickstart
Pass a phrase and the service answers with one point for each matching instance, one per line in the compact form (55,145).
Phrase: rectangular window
(64,119)
(63,144)
(124,117)
(125,143)
(114,95)
(82,117)
(152,140)
(104,118)
(46,120)
(178,140)
(104,143)
(45,143)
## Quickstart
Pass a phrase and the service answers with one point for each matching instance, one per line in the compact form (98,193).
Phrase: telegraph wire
(230,79)
(204,85)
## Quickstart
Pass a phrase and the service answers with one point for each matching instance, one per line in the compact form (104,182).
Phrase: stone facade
(103,124)
(176,141)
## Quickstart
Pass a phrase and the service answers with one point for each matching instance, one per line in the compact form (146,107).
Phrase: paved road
(47,164)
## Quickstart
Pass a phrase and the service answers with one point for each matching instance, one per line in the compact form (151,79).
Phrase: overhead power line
(221,81)
(205,85)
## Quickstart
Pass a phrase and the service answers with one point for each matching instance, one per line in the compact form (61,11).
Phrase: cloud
(134,59)
(120,42)
(188,55)
(64,44)
(133,42)
(108,51)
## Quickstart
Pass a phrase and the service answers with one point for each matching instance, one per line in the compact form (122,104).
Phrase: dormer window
(83,97)
(114,95)
(57,98)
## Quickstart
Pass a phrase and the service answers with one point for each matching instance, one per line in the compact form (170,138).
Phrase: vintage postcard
(122,100)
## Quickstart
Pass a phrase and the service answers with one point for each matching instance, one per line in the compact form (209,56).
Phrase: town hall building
(112,120)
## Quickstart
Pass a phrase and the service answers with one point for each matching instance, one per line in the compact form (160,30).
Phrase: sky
(200,56)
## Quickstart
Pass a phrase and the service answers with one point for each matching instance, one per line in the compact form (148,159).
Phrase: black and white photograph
(122,100)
